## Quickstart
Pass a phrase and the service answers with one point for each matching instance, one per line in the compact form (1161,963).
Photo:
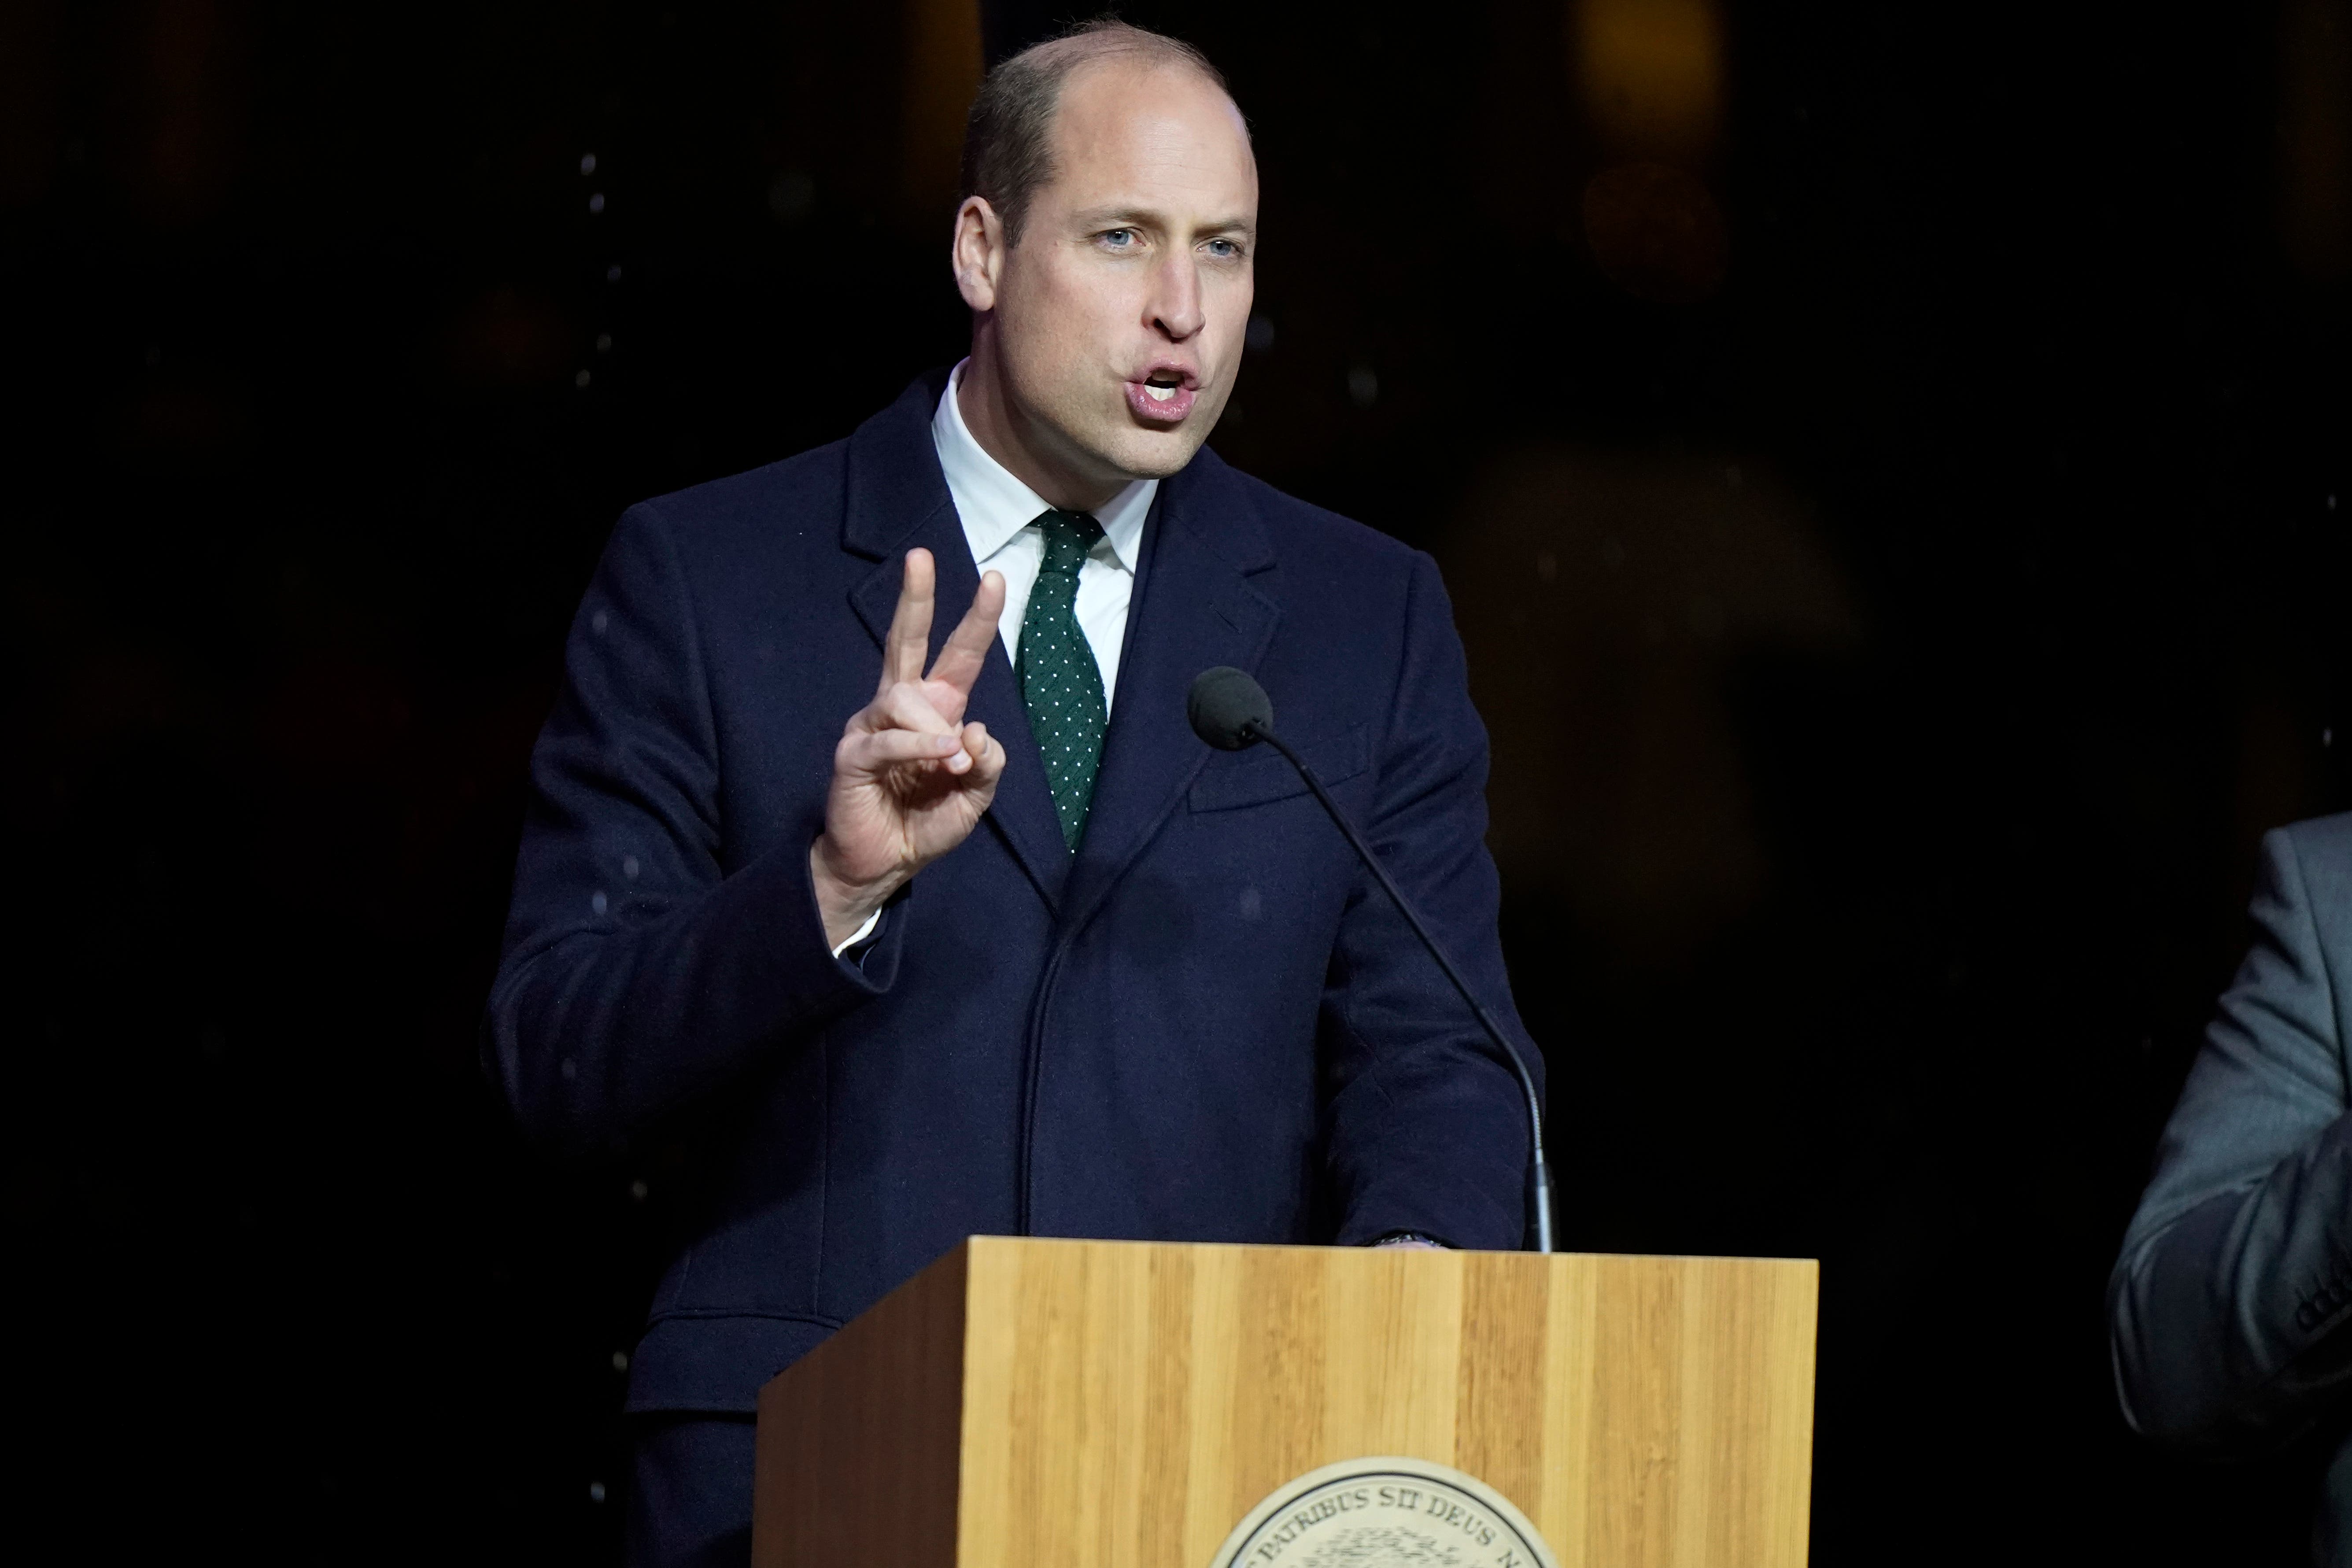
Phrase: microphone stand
(1539,1173)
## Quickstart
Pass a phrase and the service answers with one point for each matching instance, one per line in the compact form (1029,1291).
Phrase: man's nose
(1176,298)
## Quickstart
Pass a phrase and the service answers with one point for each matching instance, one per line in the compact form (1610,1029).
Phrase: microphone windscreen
(1228,709)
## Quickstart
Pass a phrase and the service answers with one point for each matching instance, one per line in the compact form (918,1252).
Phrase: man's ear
(977,255)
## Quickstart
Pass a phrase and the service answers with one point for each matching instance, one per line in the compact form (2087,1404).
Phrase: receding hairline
(1008,149)
(1085,72)
(1164,53)
(1060,60)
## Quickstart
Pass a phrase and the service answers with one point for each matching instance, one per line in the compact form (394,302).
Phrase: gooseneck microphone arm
(1233,714)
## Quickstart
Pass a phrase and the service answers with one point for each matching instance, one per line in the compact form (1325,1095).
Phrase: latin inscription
(1375,1512)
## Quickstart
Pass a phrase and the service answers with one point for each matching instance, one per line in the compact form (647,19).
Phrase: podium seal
(1385,1512)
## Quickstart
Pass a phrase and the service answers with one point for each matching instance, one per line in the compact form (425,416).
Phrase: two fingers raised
(965,652)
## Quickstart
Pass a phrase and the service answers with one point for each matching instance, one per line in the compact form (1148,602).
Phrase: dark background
(1887,457)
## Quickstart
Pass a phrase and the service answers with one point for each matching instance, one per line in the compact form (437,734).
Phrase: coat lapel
(898,500)
(1196,606)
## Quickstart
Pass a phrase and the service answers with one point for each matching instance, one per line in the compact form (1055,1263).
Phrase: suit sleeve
(1427,1128)
(2228,1307)
(635,975)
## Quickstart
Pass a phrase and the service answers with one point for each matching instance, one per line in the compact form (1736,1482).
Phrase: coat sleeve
(2228,1306)
(635,975)
(1427,1127)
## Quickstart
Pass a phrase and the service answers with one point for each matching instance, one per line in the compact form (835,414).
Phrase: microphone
(1230,711)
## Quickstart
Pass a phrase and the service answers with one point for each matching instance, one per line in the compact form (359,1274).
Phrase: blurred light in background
(943,69)
(188,76)
(1651,74)
(2315,135)
(1657,233)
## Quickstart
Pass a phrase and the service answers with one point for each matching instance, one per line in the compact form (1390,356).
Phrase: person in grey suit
(2230,1307)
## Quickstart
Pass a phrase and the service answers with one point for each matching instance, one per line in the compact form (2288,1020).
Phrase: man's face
(1120,315)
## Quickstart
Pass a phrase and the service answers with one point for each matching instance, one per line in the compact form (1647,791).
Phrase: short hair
(1008,139)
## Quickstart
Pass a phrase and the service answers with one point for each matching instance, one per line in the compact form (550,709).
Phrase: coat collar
(894,481)
(1205,597)
(898,500)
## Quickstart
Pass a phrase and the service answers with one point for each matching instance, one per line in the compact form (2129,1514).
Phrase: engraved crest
(1385,1512)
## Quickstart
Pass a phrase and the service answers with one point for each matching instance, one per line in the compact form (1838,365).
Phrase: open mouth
(1164,396)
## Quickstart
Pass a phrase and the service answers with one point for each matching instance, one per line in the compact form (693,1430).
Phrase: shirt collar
(995,505)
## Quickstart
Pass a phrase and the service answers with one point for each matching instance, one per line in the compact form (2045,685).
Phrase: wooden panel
(1500,1399)
(1127,1403)
(858,1442)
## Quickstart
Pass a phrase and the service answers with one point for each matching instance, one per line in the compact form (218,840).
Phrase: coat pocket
(1263,774)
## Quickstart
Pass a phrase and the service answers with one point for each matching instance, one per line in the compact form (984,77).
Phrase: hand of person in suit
(910,778)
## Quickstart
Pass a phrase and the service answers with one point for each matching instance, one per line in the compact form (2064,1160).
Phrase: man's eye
(1223,247)
(1118,239)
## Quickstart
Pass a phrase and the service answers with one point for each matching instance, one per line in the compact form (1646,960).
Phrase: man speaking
(1012,951)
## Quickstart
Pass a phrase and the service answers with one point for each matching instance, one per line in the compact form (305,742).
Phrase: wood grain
(858,1442)
(1122,1405)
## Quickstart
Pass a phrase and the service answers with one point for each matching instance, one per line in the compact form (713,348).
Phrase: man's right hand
(910,778)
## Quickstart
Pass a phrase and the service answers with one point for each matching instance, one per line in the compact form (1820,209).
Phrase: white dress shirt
(1000,513)
(1000,517)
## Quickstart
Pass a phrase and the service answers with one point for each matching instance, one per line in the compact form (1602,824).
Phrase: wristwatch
(1411,1237)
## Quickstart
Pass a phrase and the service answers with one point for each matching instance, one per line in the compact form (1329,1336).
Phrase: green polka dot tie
(1060,682)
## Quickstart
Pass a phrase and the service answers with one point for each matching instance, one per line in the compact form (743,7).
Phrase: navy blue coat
(1205,1025)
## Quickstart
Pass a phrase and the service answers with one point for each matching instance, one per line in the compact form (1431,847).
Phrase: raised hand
(910,778)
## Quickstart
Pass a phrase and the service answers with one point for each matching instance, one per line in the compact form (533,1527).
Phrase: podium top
(1032,1402)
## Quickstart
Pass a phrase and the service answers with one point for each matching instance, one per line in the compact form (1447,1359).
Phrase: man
(2232,1304)
(1012,951)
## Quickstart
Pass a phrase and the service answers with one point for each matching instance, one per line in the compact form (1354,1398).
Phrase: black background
(1942,578)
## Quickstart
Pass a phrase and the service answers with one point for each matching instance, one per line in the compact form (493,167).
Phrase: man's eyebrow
(1142,217)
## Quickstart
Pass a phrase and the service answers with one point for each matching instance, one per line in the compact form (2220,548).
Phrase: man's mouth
(1164,396)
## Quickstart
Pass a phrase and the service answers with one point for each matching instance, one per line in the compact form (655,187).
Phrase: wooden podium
(1039,1404)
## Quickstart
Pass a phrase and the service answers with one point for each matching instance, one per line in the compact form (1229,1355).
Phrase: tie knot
(1069,535)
